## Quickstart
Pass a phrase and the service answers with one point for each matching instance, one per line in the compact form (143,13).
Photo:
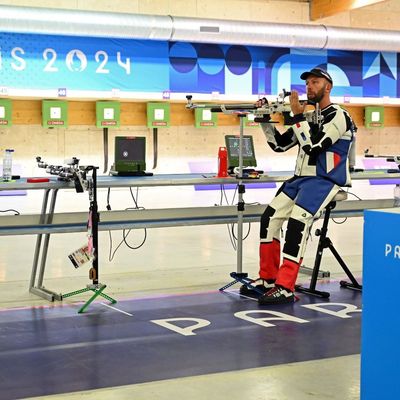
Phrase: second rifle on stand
(93,244)
(78,174)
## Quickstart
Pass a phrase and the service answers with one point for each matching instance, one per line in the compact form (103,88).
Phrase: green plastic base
(98,291)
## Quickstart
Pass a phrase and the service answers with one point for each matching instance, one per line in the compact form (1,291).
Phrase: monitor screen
(232,146)
(130,153)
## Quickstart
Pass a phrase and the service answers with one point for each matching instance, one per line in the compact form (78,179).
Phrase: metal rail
(35,224)
(48,222)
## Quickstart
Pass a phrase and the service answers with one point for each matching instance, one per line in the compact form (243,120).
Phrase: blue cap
(319,72)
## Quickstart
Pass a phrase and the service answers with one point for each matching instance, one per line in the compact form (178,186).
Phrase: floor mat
(50,350)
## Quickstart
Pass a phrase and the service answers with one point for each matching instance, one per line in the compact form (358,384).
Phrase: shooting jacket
(323,147)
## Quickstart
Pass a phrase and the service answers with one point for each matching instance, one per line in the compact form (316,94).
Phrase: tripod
(93,224)
(239,276)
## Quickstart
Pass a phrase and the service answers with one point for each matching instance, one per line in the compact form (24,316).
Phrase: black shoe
(261,284)
(277,295)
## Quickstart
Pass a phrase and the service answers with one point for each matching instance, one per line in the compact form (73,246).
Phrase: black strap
(105,148)
(155,147)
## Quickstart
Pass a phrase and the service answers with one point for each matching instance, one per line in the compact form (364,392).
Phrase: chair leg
(323,243)
(354,284)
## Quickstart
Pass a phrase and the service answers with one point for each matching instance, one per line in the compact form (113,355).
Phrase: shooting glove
(287,118)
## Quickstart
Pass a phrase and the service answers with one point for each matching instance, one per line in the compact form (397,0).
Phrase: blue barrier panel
(380,333)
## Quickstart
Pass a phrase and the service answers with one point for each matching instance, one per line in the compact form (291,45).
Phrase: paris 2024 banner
(86,66)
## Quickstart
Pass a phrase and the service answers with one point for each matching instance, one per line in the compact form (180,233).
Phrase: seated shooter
(322,166)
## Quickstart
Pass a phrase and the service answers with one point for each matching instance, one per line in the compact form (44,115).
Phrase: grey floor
(185,260)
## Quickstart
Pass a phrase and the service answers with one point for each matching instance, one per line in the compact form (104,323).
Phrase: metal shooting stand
(241,110)
(239,276)
(78,174)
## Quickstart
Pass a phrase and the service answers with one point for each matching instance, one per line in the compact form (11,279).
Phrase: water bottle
(222,162)
(7,165)
(397,196)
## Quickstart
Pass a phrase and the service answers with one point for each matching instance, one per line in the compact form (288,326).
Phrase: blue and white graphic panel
(103,67)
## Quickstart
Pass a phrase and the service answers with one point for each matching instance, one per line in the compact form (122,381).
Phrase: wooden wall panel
(82,113)
(133,114)
(181,116)
(325,8)
(392,116)
(28,112)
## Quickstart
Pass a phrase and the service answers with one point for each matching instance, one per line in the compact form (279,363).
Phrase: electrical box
(204,118)
(108,114)
(158,115)
(130,156)
(5,112)
(374,116)
(54,114)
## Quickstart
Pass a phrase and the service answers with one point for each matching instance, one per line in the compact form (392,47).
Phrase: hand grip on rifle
(287,118)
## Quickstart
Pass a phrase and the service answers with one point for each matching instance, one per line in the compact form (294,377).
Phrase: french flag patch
(332,161)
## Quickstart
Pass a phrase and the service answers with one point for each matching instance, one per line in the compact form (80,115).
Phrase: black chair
(325,242)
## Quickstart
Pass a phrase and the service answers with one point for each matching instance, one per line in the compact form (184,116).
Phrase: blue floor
(50,350)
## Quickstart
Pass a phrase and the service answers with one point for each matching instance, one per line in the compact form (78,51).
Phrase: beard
(316,97)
